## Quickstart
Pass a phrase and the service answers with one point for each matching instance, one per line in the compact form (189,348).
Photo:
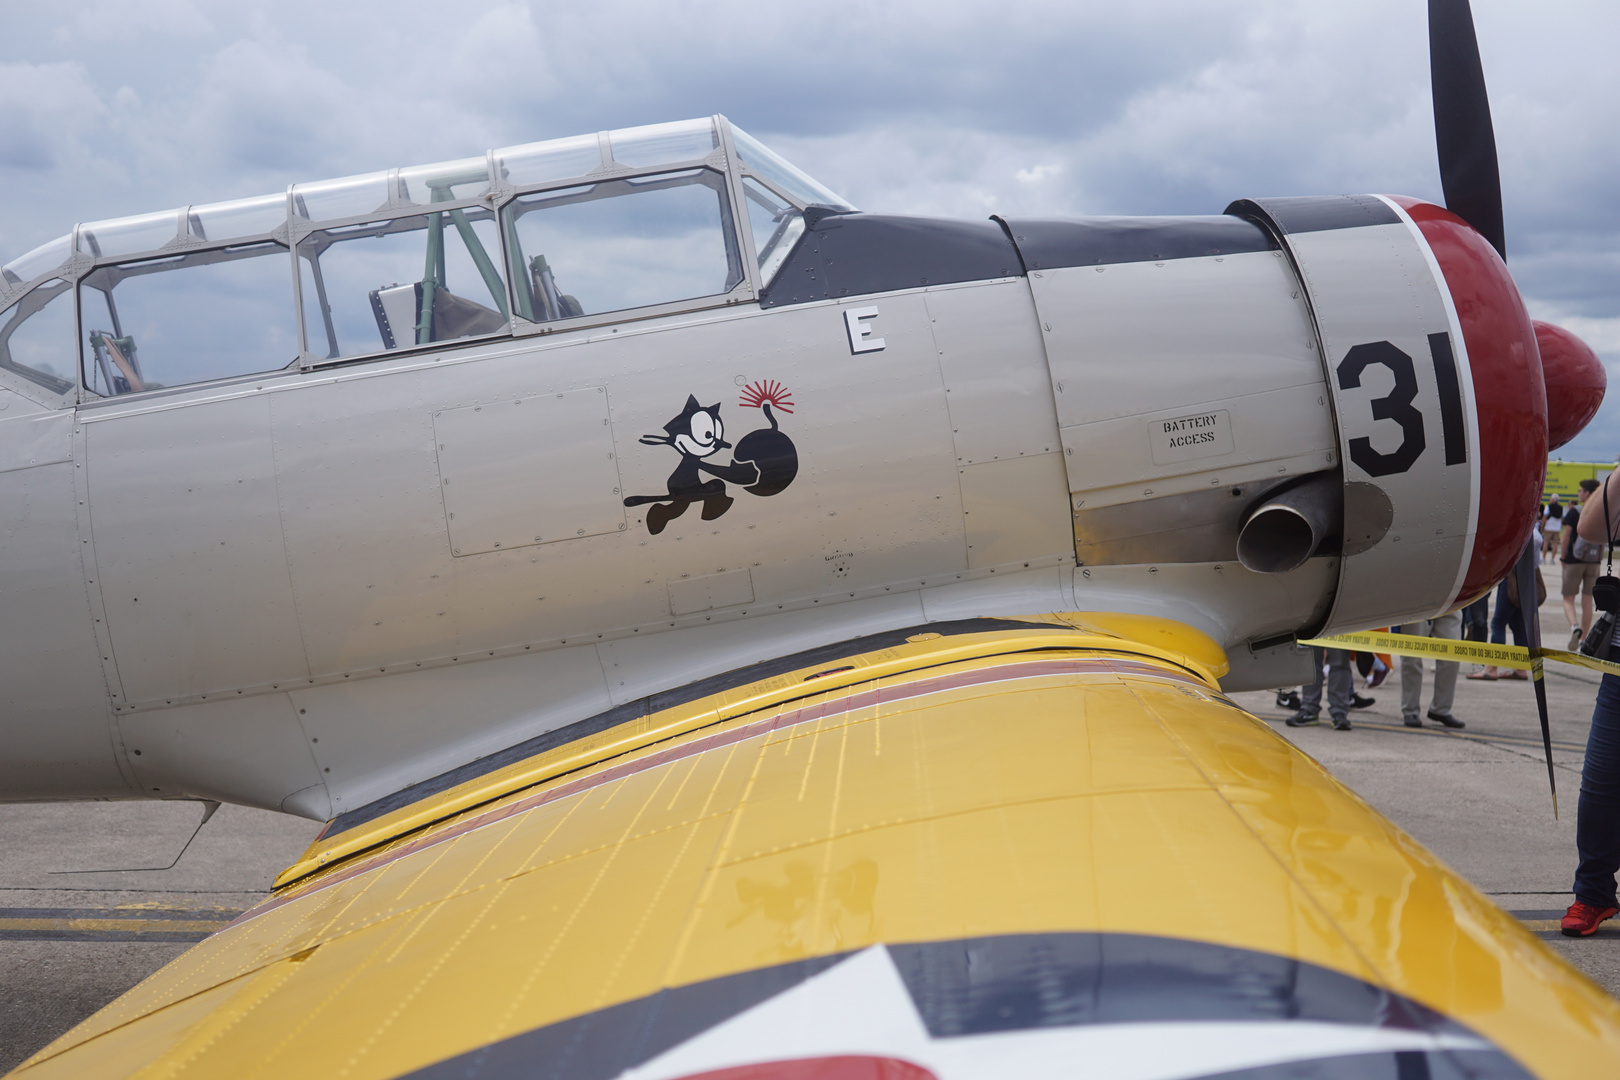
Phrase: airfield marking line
(130,889)
(1547,924)
(130,926)
(124,913)
(133,922)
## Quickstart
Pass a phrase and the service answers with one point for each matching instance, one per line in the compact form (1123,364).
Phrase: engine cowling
(1438,392)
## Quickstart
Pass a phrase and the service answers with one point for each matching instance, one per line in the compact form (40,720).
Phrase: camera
(1606,594)
(1606,598)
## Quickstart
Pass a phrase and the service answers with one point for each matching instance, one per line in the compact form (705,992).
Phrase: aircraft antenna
(209,806)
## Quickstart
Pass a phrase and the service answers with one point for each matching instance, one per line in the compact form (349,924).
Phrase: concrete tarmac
(1477,798)
(71,942)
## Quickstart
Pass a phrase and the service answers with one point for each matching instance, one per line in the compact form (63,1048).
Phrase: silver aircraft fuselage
(307,588)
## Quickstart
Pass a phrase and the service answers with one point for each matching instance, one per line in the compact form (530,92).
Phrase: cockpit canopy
(528,239)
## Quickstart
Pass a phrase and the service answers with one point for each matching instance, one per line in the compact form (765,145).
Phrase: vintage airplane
(733,635)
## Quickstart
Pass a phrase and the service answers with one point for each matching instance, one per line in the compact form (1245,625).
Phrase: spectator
(1475,619)
(1374,667)
(1508,616)
(1340,689)
(1476,627)
(1447,626)
(1552,524)
(1597,815)
(1580,558)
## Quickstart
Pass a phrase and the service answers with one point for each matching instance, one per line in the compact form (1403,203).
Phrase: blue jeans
(1597,815)
(1507,618)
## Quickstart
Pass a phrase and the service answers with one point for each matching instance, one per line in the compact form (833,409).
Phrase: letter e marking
(856,321)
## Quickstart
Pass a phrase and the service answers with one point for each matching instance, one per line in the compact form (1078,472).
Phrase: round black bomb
(772,453)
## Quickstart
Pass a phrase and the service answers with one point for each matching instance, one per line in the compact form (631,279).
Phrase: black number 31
(1395,405)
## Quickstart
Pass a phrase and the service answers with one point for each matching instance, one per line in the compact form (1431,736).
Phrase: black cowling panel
(856,254)
(1317,213)
(1047,244)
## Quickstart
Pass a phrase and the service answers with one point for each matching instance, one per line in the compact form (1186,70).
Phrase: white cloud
(503,48)
(49,110)
(927,106)
(117,21)
(261,104)
(1036,173)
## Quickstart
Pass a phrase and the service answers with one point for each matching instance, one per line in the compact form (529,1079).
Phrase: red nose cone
(1510,396)
(1575,382)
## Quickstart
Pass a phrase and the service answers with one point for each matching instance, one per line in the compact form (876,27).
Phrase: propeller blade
(1462,122)
(1525,577)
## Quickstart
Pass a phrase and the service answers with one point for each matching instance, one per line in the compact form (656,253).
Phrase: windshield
(781,174)
(777,225)
(25,268)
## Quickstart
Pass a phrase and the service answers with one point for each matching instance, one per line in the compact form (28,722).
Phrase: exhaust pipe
(1280,533)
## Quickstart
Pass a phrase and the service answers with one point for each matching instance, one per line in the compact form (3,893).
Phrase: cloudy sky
(111,107)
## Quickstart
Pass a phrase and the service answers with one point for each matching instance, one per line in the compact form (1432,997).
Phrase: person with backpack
(1580,558)
(1552,524)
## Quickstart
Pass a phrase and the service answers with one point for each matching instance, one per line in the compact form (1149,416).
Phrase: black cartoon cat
(764,461)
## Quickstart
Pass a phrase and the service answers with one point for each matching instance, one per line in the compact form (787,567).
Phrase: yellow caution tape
(1608,667)
(1474,652)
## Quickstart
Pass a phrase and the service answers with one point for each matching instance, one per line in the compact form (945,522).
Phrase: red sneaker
(1582,920)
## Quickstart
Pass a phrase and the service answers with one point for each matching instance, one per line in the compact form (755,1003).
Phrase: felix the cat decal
(764,461)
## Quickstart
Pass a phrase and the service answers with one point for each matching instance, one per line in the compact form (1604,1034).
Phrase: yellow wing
(994,854)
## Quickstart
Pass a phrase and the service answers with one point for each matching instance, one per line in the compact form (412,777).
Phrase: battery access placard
(1186,438)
